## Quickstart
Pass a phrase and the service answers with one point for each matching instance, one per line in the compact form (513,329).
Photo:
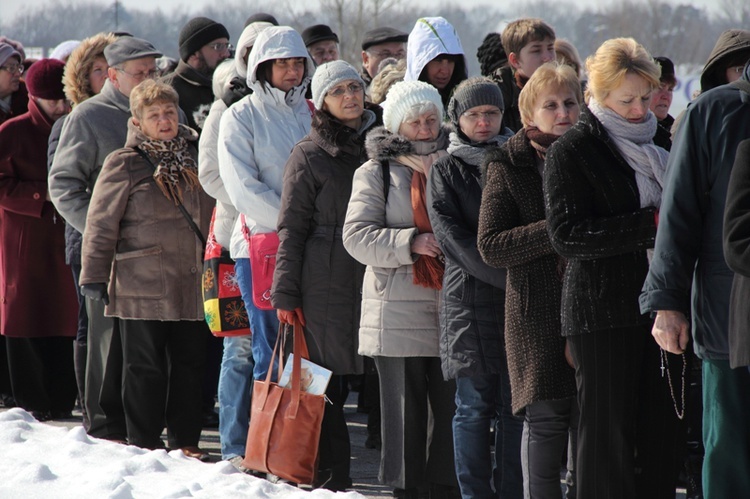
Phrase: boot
(79,363)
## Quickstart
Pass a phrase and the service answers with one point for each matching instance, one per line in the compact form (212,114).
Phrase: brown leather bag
(285,423)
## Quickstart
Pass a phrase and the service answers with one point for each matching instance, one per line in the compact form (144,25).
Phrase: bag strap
(193,226)
(299,350)
(385,166)
(311,107)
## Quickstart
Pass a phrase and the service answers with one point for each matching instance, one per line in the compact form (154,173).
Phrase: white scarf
(635,142)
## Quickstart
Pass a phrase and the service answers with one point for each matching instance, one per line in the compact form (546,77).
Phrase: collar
(191,75)
(117,98)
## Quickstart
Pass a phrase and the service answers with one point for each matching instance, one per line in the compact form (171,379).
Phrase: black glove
(97,291)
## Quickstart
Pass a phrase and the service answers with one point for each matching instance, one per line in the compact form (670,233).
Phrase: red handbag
(262,249)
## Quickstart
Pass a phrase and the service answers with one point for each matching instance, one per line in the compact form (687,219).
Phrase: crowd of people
(531,274)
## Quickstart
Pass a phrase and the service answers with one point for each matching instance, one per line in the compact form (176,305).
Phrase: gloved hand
(97,291)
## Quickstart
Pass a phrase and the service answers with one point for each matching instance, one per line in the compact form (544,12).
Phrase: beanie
(64,49)
(198,32)
(404,95)
(44,79)
(491,54)
(667,69)
(329,75)
(479,91)
(261,17)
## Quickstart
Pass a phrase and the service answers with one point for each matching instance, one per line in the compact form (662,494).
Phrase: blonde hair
(613,60)
(385,79)
(566,53)
(549,76)
(519,33)
(148,93)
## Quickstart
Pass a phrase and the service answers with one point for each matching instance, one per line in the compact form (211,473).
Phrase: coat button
(193,270)
(36,195)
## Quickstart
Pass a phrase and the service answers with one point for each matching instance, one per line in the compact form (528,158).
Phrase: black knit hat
(478,91)
(259,17)
(667,70)
(491,54)
(198,32)
(383,35)
(318,33)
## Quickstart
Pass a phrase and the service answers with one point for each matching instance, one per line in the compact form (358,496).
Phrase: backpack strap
(385,167)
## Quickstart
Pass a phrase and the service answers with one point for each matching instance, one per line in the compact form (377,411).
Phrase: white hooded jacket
(257,134)
(430,37)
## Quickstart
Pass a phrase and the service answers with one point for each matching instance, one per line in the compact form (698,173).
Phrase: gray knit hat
(478,91)
(329,75)
(404,95)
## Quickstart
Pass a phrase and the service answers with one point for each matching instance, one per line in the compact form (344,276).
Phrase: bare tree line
(682,32)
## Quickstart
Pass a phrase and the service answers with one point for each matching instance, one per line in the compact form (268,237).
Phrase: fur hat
(402,97)
(198,32)
(329,75)
(44,79)
(479,91)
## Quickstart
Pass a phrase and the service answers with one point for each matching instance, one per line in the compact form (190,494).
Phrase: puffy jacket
(257,134)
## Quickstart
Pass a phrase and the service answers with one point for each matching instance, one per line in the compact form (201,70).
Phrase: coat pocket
(139,273)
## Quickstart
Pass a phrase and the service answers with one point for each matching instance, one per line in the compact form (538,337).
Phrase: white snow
(42,461)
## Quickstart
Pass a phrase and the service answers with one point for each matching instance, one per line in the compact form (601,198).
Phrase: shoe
(61,415)
(42,416)
(196,453)
(278,480)
(236,461)
(326,480)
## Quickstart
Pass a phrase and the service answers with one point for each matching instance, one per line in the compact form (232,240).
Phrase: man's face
(374,55)
(325,51)
(210,55)
(10,77)
(130,73)
(532,55)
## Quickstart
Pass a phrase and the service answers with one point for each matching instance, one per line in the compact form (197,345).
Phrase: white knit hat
(404,95)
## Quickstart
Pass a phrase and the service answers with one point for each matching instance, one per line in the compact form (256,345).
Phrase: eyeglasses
(354,88)
(385,54)
(142,75)
(15,68)
(221,47)
(488,115)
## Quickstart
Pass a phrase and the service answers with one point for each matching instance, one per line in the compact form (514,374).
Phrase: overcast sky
(10,7)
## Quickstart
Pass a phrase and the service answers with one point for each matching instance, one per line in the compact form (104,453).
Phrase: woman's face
(98,74)
(481,123)
(346,101)
(440,71)
(287,73)
(555,111)
(425,127)
(159,121)
(631,99)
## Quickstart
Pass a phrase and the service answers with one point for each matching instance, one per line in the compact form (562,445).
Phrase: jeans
(235,391)
(550,426)
(263,323)
(480,400)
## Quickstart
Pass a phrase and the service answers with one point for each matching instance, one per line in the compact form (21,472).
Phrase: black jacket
(507,82)
(595,220)
(472,298)
(196,94)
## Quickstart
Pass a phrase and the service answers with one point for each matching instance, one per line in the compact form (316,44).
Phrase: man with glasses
(380,44)
(13,97)
(91,131)
(203,45)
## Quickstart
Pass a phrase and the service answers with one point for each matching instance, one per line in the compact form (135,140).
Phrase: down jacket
(399,318)
(513,234)
(139,242)
(313,270)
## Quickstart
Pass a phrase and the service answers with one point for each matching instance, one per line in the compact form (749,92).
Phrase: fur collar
(334,137)
(383,145)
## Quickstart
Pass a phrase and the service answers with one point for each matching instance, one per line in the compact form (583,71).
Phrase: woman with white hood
(434,55)
(256,136)
(235,376)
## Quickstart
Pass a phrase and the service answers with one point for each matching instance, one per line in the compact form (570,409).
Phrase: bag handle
(299,350)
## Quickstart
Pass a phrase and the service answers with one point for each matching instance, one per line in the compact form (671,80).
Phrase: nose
(548,56)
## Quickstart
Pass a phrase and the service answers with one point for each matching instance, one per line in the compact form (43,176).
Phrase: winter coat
(195,92)
(472,298)
(73,238)
(138,241)
(507,82)
(37,294)
(431,37)
(313,270)
(257,134)
(399,318)
(688,255)
(513,234)
(18,104)
(595,221)
(729,44)
(736,233)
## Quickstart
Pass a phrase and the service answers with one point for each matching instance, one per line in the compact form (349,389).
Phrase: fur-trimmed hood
(383,145)
(76,77)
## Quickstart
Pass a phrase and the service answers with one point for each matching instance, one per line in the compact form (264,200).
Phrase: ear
(136,122)
(513,60)
(365,57)
(112,74)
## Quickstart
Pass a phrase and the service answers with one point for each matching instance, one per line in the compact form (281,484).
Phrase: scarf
(473,152)
(428,271)
(635,142)
(173,162)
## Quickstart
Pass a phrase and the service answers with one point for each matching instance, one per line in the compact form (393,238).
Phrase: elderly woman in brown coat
(143,259)
(513,234)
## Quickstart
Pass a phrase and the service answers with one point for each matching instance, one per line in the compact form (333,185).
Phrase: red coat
(37,294)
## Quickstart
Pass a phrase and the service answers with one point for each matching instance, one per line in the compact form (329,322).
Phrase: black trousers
(626,434)
(163,363)
(41,373)
(335,448)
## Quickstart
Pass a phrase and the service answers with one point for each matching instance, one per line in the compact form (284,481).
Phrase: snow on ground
(43,461)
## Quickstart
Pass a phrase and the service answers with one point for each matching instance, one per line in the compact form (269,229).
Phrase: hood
(729,44)
(76,77)
(276,42)
(383,145)
(431,37)
(246,42)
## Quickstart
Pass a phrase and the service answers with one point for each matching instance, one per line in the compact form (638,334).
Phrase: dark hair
(459,75)
(265,71)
